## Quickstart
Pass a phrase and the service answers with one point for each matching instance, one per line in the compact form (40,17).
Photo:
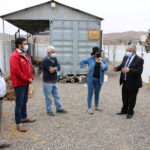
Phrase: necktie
(126,65)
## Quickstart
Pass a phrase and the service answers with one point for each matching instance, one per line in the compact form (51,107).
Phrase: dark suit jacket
(134,80)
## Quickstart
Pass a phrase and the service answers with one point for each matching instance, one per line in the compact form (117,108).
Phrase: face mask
(25,48)
(98,55)
(53,55)
(128,54)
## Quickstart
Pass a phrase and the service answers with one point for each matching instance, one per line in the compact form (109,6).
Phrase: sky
(119,15)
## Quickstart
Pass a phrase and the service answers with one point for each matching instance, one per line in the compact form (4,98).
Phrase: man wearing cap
(131,69)
(50,67)
(95,66)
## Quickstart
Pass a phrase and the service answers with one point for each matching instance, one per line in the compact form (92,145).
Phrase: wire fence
(115,53)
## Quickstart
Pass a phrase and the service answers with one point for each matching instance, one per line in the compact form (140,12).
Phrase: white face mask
(53,55)
(26,48)
(129,54)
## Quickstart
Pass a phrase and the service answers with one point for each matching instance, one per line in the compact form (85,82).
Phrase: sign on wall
(94,34)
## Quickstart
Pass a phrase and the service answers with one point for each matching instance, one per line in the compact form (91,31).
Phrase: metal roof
(35,19)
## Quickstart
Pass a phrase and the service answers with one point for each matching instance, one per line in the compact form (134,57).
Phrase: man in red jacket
(21,76)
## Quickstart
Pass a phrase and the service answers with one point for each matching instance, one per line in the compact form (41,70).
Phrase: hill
(123,37)
(109,38)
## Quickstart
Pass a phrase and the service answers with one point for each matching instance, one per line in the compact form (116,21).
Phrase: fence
(115,53)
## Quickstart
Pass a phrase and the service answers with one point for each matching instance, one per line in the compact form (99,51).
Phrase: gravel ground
(78,130)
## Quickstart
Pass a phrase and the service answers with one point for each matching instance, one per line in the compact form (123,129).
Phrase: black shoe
(51,113)
(121,113)
(61,111)
(129,116)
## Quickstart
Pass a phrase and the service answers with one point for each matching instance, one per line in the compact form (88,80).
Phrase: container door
(72,43)
(85,44)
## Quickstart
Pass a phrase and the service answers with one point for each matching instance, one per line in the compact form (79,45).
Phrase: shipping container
(72,31)
(71,39)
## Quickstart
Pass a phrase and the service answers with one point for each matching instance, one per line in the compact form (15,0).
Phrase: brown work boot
(21,129)
(28,120)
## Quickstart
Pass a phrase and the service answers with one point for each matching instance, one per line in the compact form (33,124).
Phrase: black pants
(128,99)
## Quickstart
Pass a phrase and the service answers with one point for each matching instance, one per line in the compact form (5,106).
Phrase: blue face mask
(128,54)
(53,55)
(26,48)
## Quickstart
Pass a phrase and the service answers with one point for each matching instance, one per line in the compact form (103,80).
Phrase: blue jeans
(94,86)
(21,103)
(51,90)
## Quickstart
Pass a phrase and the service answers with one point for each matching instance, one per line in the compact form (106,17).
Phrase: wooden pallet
(11,93)
(30,91)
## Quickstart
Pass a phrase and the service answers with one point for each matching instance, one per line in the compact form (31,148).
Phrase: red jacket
(20,69)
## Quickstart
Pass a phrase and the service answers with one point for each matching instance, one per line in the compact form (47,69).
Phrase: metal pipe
(17,33)
(27,37)
(114,52)
(101,39)
(50,31)
(142,52)
(4,45)
(101,34)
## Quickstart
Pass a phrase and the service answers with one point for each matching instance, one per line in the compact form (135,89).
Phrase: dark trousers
(21,103)
(128,99)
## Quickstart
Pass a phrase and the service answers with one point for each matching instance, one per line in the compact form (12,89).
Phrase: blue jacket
(90,62)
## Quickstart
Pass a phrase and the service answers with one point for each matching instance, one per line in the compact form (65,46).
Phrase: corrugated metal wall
(46,12)
(40,50)
(71,40)
(4,62)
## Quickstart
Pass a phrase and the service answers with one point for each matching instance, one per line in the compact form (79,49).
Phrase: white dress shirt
(127,64)
(131,59)
(22,53)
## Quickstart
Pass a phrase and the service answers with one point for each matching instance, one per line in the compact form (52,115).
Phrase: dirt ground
(77,130)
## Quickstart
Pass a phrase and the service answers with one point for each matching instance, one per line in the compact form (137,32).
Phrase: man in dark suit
(131,69)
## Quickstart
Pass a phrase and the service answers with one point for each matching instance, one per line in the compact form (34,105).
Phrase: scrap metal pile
(72,79)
